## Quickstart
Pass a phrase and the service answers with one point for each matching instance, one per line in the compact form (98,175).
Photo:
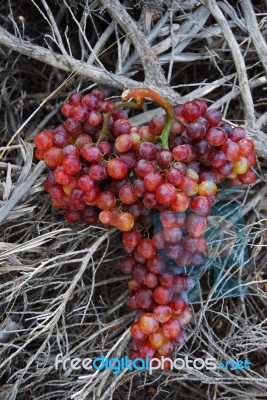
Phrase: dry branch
(254,32)
(152,69)
(97,75)
(238,60)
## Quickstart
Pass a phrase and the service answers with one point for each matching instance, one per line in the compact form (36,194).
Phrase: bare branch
(254,32)
(153,72)
(238,59)
(97,75)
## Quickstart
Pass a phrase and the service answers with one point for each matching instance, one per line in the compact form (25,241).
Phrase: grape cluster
(104,168)
(158,289)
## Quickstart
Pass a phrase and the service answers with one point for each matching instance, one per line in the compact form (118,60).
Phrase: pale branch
(101,42)
(238,60)
(254,32)
(151,37)
(54,27)
(152,69)
(70,64)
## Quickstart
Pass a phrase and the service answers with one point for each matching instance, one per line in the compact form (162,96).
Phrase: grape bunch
(156,183)
(158,289)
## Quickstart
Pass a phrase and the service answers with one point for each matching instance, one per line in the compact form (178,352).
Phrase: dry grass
(61,290)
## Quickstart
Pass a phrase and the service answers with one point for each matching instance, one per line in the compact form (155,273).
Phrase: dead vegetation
(61,291)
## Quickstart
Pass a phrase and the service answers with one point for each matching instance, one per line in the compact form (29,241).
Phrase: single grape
(162,313)
(151,280)
(181,153)
(246,147)
(156,124)
(172,235)
(136,331)
(143,298)
(85,183)
(73,216)
(123,143)
(106,218)
(240,166)
(164,158)
(196,130)
(237,134)
(117,168)
(98,172)
(106,201)
(156,264)
(207,188)
(90,101)
(191,111)
(152,181)
(196,225)
(146,248)
(127,195)
(181,202)
(166,193)
(174,176)
(66,109)
(79,113)
(75,99)
(72,165)
(73,126)
(157,339)
(213,117)
(146,350)
(189,186)
(125,221)
(120,127)
(231,150)
(53,157)
(146,151)
(62,177)
(216,136)
(143,167)
(44,140)
(131,238)
(202,105)
(171,329)
(217,159)
(248,177)
(162,295)
(90,153)
(200,205)
(148,323)
(167,279)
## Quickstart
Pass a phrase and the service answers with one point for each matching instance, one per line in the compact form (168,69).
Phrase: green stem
(164,137)
(120,104)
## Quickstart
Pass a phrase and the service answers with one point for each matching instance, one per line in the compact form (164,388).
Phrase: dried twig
(254,32)
(102,77)
(152,69)
(238,60)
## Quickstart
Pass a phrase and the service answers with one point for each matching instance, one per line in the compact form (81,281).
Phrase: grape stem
(139,95)
(119,104)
